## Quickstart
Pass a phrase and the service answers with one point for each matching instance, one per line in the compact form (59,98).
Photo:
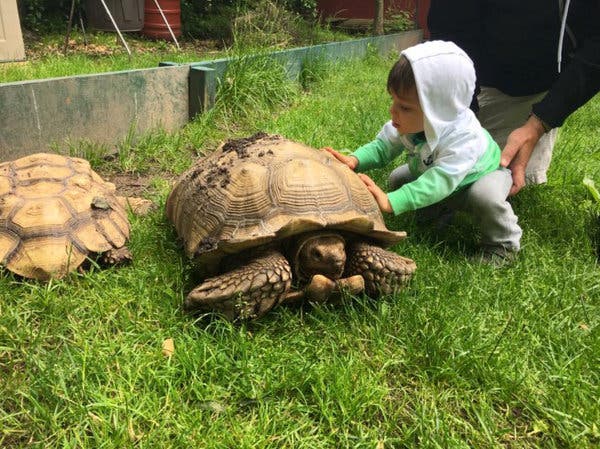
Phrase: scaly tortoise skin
(265,216)
(55,211)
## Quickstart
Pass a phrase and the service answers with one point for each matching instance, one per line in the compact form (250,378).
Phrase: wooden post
(378,19)
(11,38)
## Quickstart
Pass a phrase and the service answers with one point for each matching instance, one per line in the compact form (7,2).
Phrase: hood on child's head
(445,80)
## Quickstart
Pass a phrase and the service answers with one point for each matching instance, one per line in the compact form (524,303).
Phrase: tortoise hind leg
(246,292)
(384,271)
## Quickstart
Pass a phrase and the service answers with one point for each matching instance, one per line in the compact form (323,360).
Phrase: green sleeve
(432,186)
(375,154)
(438,182)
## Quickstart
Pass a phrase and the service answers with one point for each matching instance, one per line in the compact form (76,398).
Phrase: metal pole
(167,23)
(85,41)
(69,25)
(116,27)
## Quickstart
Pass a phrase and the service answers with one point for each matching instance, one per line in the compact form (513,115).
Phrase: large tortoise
(55,212)
(264,216)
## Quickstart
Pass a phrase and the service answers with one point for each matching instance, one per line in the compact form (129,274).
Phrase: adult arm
(575,86)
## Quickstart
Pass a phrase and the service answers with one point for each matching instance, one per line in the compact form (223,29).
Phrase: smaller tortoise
(265,216)
(55,212)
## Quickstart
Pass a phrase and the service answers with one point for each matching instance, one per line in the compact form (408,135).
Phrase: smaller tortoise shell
(54,211)
(265,188)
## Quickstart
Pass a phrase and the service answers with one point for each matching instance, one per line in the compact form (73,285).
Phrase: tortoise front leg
(384,271)
(246,292)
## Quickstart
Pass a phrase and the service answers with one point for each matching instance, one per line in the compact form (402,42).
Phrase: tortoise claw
(321,289)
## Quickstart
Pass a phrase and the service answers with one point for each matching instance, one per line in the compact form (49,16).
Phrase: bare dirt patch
(136,184)
(131,184)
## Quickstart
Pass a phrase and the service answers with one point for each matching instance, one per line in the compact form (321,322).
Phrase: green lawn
(467,357)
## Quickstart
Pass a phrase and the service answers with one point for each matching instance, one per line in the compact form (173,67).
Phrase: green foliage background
(199,18)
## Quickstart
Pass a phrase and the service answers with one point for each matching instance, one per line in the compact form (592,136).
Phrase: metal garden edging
(105,108)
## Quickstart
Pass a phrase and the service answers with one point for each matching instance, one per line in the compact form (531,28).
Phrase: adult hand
(380,196)
(350,161)
(518,149)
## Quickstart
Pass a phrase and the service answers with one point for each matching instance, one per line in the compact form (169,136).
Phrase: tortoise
(55,212)
(265,217)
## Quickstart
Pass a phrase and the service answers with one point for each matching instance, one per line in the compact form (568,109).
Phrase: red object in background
(365,9)
(154,25)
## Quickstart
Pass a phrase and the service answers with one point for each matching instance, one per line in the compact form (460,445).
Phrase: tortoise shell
(54,211)
(266,188)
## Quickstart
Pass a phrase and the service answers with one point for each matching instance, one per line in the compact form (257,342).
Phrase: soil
(138,185)
(131,184)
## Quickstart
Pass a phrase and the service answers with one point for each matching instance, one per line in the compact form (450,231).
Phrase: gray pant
(485,201)
(501,114)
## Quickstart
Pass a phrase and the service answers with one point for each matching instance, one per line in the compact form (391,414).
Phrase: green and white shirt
(454,150)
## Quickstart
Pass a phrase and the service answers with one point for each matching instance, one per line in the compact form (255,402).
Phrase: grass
(268,26)
(103,52)
(466,357)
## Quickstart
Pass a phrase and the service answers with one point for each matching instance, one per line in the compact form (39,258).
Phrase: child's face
(406,112)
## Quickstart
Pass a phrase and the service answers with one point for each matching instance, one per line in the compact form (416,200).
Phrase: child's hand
(350,161)
(380,196)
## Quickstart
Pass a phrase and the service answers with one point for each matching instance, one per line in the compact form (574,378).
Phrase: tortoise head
(319,253)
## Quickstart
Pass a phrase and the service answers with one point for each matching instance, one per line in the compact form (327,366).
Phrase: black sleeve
(458,21)
(576,85)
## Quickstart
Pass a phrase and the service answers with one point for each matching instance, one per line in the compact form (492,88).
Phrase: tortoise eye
(317,254)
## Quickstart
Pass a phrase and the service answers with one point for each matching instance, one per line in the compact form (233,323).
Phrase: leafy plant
(208,19)
(44,15)
(269,23)
(591,187)
(224,19)
(308,8)
(399,20)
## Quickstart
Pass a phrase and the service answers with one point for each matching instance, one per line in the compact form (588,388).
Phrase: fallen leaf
(212,406)
(168,347)
(95,418)
(132,435)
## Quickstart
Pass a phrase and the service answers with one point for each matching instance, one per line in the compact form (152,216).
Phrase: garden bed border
(49,114)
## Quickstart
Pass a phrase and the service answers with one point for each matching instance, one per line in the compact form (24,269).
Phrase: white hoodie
(457,150)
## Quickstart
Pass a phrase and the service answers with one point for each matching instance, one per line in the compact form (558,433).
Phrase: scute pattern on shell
(54,210)
(256,190)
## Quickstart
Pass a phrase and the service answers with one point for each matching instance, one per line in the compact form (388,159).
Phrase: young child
(452,160)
